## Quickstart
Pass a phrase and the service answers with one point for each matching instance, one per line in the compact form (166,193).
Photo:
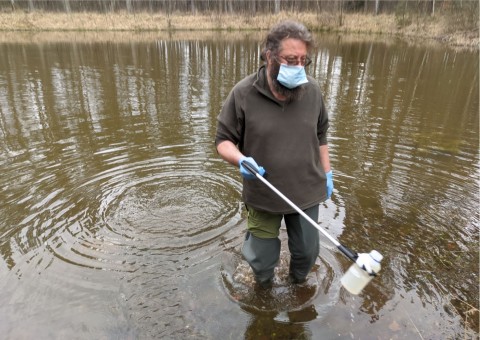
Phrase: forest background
(452,22)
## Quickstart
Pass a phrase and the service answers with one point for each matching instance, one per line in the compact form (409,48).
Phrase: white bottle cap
(376,255)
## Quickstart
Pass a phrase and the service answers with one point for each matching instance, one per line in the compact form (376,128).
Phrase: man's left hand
(329,184)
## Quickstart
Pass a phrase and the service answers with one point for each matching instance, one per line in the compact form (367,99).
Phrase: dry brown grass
(122,36)
(158,22)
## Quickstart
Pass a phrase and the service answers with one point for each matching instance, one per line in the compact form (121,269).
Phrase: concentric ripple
(168,205)
(239,284)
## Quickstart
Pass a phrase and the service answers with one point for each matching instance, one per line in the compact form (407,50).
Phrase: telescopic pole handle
(249,166)
(352,255)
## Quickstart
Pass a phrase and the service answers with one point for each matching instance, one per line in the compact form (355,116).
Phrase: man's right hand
(244,171)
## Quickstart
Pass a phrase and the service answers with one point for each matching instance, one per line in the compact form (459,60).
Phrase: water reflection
(118,215)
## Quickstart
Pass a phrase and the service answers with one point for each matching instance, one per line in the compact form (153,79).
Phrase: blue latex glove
(245,173)
(329,184)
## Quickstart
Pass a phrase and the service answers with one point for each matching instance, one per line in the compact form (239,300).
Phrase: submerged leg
(262,255)
(261,248)
(303,243)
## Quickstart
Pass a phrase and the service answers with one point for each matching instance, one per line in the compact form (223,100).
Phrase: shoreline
(383,25)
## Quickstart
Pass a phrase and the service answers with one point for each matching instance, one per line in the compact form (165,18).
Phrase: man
(277,118)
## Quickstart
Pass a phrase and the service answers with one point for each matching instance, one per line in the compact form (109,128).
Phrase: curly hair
(284,30)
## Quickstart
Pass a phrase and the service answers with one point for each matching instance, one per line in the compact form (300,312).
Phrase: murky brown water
(119,220)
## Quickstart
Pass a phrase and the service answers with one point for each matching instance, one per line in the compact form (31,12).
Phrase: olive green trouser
(261,248)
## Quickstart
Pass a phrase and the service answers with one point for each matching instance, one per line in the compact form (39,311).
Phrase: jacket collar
(261,84)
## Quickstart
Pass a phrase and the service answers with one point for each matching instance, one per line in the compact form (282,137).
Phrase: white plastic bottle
(357,276)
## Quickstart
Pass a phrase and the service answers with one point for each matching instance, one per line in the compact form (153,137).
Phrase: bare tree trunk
(319,6)
(12,3)
(377,5)
(433,8)
(66,4)
(129,5)
(228,6)
(277,6)
(192,6)
(341,13)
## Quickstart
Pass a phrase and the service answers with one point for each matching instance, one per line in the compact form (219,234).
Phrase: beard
(289,94)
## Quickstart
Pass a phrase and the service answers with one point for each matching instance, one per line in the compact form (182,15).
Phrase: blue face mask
(292,76)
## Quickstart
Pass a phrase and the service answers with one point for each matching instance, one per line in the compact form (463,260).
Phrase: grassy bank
(436,28)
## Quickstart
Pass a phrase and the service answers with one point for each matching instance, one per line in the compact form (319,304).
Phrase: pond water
(120,221)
